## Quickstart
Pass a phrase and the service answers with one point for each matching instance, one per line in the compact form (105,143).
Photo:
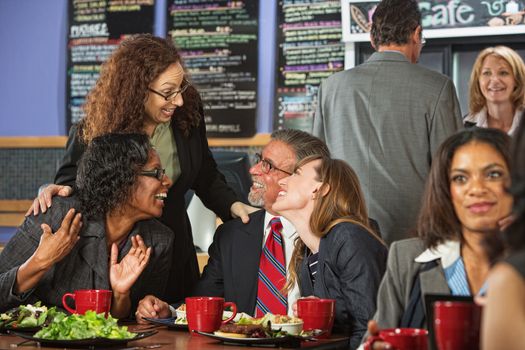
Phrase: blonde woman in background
(338,255)
(497,92)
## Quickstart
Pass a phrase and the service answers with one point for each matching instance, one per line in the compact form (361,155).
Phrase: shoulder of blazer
(254,226)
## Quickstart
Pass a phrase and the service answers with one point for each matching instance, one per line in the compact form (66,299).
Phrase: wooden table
(176,339)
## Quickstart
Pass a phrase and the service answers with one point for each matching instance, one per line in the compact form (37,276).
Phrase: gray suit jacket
(86,266)
(386,118)
(401,272)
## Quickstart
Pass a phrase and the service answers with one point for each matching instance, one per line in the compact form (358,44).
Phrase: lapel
(245,259)
(433,281)
(93,249)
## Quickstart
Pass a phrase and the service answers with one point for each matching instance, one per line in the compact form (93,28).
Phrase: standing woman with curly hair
(143,88)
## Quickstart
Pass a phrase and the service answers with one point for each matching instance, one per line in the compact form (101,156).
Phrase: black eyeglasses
(157,173)
(171,96)
(266,165)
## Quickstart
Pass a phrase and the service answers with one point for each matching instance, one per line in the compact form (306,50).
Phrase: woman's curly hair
(108,171)
(116,102)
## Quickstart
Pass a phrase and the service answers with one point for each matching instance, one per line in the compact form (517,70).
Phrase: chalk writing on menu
(443,14)
(310,50)
(218,41)
(96,27)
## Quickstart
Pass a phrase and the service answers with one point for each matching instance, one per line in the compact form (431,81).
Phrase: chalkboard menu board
(96,27)
(310,49)
(218,41)
(443,18)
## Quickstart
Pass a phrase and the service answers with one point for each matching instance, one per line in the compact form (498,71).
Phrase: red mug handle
(64,297)
(234,311)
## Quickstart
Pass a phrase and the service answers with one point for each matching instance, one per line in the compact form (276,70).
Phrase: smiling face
(298,191)
(496,80)
(478,178)
(147,199)
(159,110)
(265,187)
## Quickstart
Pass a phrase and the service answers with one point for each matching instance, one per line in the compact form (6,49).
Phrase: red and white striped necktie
(272,274)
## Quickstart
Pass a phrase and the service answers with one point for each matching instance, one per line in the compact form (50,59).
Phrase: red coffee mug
(456,325)
(98,300)
(317,314)
(401,338)
(204,314)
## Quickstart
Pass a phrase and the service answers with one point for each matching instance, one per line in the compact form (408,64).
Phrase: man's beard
(256,199)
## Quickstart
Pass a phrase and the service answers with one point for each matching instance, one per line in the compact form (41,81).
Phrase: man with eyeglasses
(387,116)
(238,251)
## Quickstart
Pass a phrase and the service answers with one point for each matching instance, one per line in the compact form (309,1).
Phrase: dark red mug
(204,314)
(456,325)
(401,338)
(317,314)
(98,300)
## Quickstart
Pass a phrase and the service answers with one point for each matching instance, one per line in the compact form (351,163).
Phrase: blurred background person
(504,313)
(497,90)
(465,201)
(143,88)
(387,117)
(98,237)
(338,255)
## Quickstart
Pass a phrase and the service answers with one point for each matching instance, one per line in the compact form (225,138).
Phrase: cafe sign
(443,18)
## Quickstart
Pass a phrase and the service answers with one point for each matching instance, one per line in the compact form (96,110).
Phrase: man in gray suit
(387,116)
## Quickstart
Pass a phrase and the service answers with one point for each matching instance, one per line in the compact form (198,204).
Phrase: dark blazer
(198,172)
(86,266)
(351,263)
(233,266)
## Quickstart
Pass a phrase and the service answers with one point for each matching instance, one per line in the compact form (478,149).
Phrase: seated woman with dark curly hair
(91,240)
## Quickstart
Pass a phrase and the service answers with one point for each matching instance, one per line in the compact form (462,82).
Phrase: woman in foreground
(504,312)
(465,201)
(105,236)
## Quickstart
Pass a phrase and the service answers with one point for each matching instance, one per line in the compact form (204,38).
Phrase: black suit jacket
(233,266)
(199,172)
(351,264)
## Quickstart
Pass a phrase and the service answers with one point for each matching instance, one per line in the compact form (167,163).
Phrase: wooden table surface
(174,339)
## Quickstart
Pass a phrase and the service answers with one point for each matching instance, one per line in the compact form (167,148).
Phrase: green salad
(28,316)
(90,325)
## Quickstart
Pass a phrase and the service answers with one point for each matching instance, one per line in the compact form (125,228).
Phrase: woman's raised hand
(44,198)
(241,210)
(53,247)
(122,275)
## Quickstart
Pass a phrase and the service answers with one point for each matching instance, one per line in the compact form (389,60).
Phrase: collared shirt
(289,234)
(480,119)
(163,141)
(449,253)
